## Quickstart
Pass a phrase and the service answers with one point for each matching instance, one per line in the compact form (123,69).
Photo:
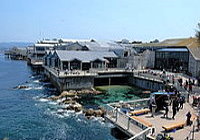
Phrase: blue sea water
(24,115)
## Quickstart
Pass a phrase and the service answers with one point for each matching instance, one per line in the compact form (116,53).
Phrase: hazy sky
(31,20)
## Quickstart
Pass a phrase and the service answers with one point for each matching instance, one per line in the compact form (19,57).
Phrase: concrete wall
(194,66)
(146,84)
(139,61)
(79,82)
(87,82)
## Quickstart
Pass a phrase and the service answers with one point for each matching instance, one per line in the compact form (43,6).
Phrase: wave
(52,103)
(43,100)
(36,81)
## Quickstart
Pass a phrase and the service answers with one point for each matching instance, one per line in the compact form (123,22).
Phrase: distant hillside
(7,45)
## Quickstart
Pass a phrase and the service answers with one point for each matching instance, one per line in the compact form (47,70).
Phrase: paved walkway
(158,121)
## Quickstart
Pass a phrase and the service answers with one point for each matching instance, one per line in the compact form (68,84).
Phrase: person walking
(153,109)
(190,87)
(174,107)
(188,115)
(182,100)
(198,123)
(166,110)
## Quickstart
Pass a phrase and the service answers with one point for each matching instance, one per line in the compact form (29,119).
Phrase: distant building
(17,53)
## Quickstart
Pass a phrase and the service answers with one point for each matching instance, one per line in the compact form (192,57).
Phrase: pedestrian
(185,86)
(190,87)
(182,100)
(150,108)
(166,110)
(178,102)
(193,82)
(153,109)
(174,108)
(186,82)
(188,115)
(181,82)
(198,123)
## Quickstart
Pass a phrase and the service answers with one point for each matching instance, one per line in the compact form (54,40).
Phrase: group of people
(177,104)
(187,85)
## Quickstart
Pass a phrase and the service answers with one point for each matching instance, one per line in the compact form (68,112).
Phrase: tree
(198,32)
(155,41)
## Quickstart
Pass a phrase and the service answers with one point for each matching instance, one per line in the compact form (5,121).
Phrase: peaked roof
(84,56)
(101,45)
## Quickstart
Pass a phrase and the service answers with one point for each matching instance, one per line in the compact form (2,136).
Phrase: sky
(32,20)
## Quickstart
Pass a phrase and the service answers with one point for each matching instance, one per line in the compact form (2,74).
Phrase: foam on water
(43,100)
(52,103)
(36,81)
(29,88)
(38,88)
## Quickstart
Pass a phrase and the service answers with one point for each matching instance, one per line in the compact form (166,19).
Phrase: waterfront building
(178,55)
(41,47)
(17,53)
(80,60)
(172,59)
(36,56)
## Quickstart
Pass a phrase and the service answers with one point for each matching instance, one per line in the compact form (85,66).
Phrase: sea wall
(68,83)
(88,82)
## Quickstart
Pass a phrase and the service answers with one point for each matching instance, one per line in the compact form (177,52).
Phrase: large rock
(89,112)
(78,107)
(98,113)
(22,87)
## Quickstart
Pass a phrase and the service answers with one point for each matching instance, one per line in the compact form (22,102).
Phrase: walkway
(158,121)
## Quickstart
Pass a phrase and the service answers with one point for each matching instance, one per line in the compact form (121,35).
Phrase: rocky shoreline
(69,100)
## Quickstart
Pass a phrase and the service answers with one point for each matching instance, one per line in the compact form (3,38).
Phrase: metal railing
(142,135)
(139,103)
(129,125)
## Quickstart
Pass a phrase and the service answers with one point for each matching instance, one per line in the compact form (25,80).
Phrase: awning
(163,93)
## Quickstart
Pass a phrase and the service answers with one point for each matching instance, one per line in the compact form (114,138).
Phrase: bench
(175,125)
(142,121)
(180,124)
(138,112)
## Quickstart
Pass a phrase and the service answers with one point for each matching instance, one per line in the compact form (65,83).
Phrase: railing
(58,72)
(142,135)
(37,61)
(102,70)
(129,125)
(139,103)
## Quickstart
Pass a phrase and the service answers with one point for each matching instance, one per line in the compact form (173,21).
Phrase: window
(40,49)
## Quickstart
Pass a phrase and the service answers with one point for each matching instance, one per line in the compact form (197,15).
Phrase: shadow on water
(118,134)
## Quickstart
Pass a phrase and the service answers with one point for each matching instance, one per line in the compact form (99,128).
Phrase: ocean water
(26,115)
